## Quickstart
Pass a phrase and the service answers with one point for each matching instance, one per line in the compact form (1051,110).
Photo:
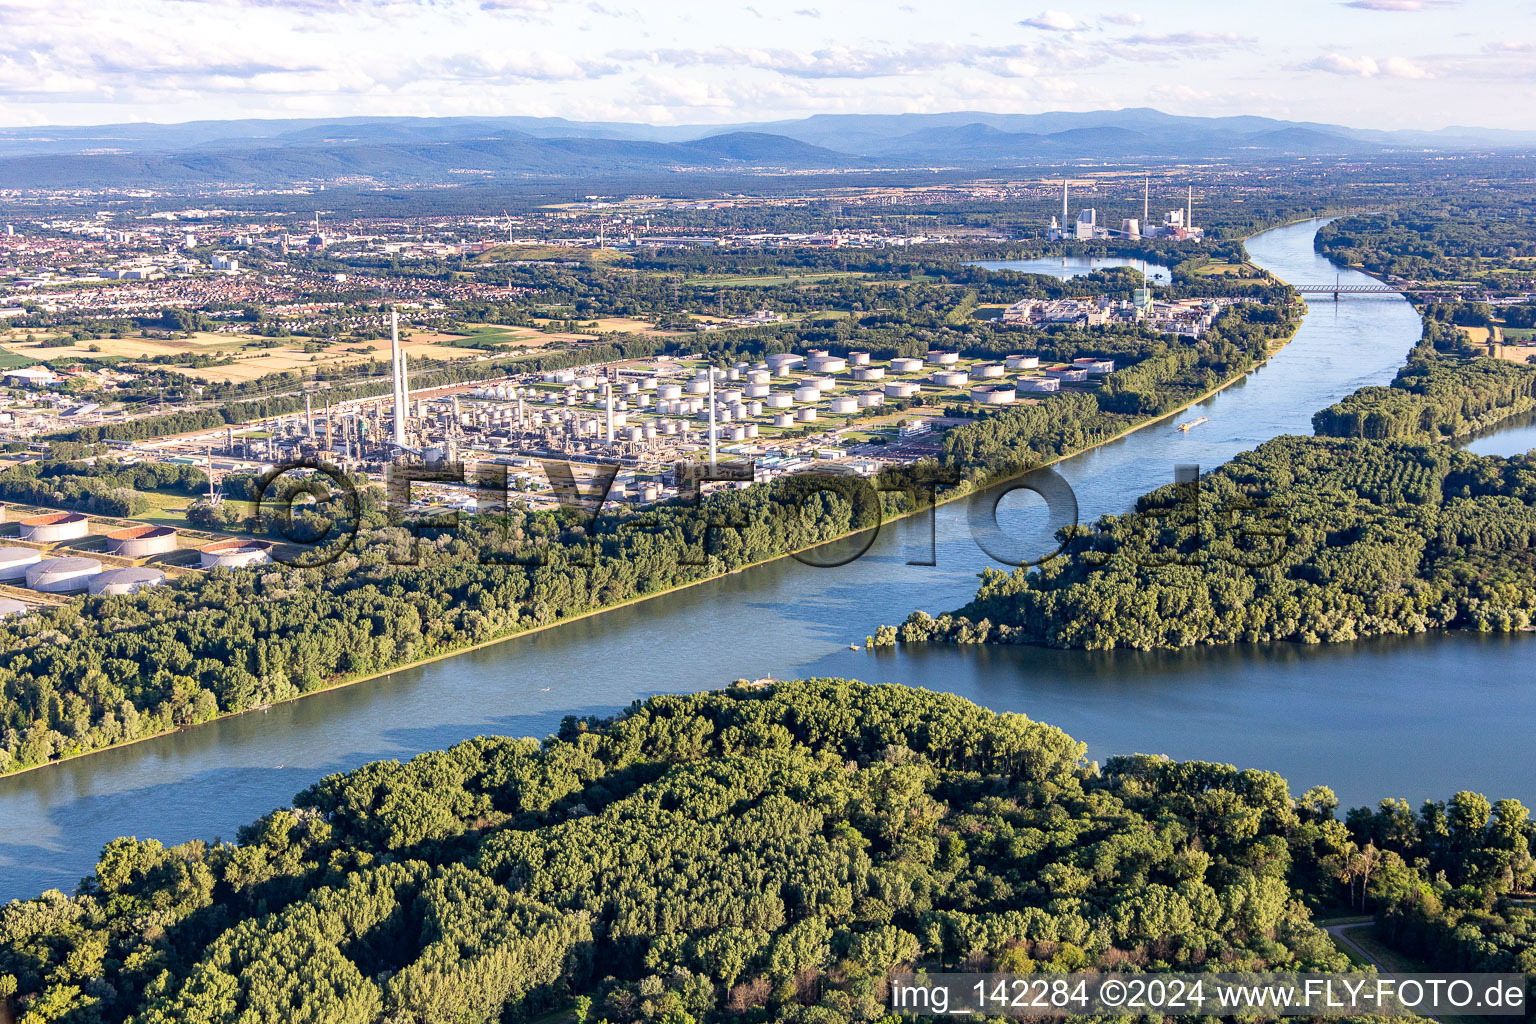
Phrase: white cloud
(1052,21)
(1367,67)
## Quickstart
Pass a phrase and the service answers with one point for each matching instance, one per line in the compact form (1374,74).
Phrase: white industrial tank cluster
(14,562)
(62,575)
(125,581)
(8,607)
(53,527)
(142,541)
(235,553)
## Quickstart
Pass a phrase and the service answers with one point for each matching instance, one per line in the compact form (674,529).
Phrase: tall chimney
(712,439)
(608,406)
(1146,201)
(397,364)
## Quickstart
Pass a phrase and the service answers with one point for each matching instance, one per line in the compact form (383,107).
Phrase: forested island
(1376,526)
(762,853)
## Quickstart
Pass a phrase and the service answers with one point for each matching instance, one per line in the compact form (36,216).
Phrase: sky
(1363,63)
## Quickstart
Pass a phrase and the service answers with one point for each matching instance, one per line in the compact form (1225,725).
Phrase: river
(1371,719)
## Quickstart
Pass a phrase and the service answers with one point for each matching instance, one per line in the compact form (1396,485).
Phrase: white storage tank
(1022,362)
(858,358)
(806,415)
(780,360)
(806,393)
(844,406)
(730,396)
(52,527)
(756,390)
(14,562)
(667,392)
(986,371)
(751,429)
(737,433)
(125,581)
(142,541)
(868,372)
(9,607)
(783,419)
(940,358)
(62,575)
(754,408)
(993,394)
(779,400)
(1039,384)
(950,378)
(870,399)
(760,377)
(902,388)
(827,364)
(906,364)
(820,383)
(698,386)
(236,553)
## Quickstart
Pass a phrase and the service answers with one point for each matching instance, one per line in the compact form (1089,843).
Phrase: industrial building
(62,575)
(53,527)
(14,562)
(234,554)
(142,541)
(124,581)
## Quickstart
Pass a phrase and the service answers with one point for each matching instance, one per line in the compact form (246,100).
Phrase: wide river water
(1416,717)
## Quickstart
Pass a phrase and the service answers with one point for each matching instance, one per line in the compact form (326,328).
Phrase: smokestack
(1146,201)
(711,419)
(1063,204)
(397,363)
(309,418)
(608,407)
(1189,209)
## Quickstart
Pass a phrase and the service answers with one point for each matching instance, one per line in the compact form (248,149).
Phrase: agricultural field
(770,280)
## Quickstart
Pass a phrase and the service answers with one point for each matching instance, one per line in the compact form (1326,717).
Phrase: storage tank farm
(68,575)
(14,562)
(129,580)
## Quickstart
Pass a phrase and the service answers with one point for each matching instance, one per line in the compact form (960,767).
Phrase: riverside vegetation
(99,671)
(763,853)
(1376,526)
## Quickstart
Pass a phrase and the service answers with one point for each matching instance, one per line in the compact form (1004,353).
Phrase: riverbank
(962,490)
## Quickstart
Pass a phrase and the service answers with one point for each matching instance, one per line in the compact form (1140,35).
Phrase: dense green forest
(1310,539)
(1487,236)
(756,854)
(104,487)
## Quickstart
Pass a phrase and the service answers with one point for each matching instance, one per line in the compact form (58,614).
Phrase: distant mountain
(403,150)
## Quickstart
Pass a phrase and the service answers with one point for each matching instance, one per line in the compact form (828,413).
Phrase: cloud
(1052,21)
(808,12)
(835,62)
(1366,67)
(1397,5)
(1129,19)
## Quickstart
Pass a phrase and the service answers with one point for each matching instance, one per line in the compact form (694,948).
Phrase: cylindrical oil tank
(14,562)
(827,364)
(698,387)
(236,553)
(754,408)
(62,575)
(1022,362)
(844,406)
(668,391)
(755,390)
(806,393)
(901,388)
(783,419)
(728,395)
(779,400)
(751,429)
(806,415)
(904,364)
(949,378)
(858,358)
(760,377)
(993,394)
(737,433)
(938,358)
(820,383)
(986,371)
(52,527)
(868,372)
(870,399)
(125,581)
(9,607)
(782,359)
(142,541)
